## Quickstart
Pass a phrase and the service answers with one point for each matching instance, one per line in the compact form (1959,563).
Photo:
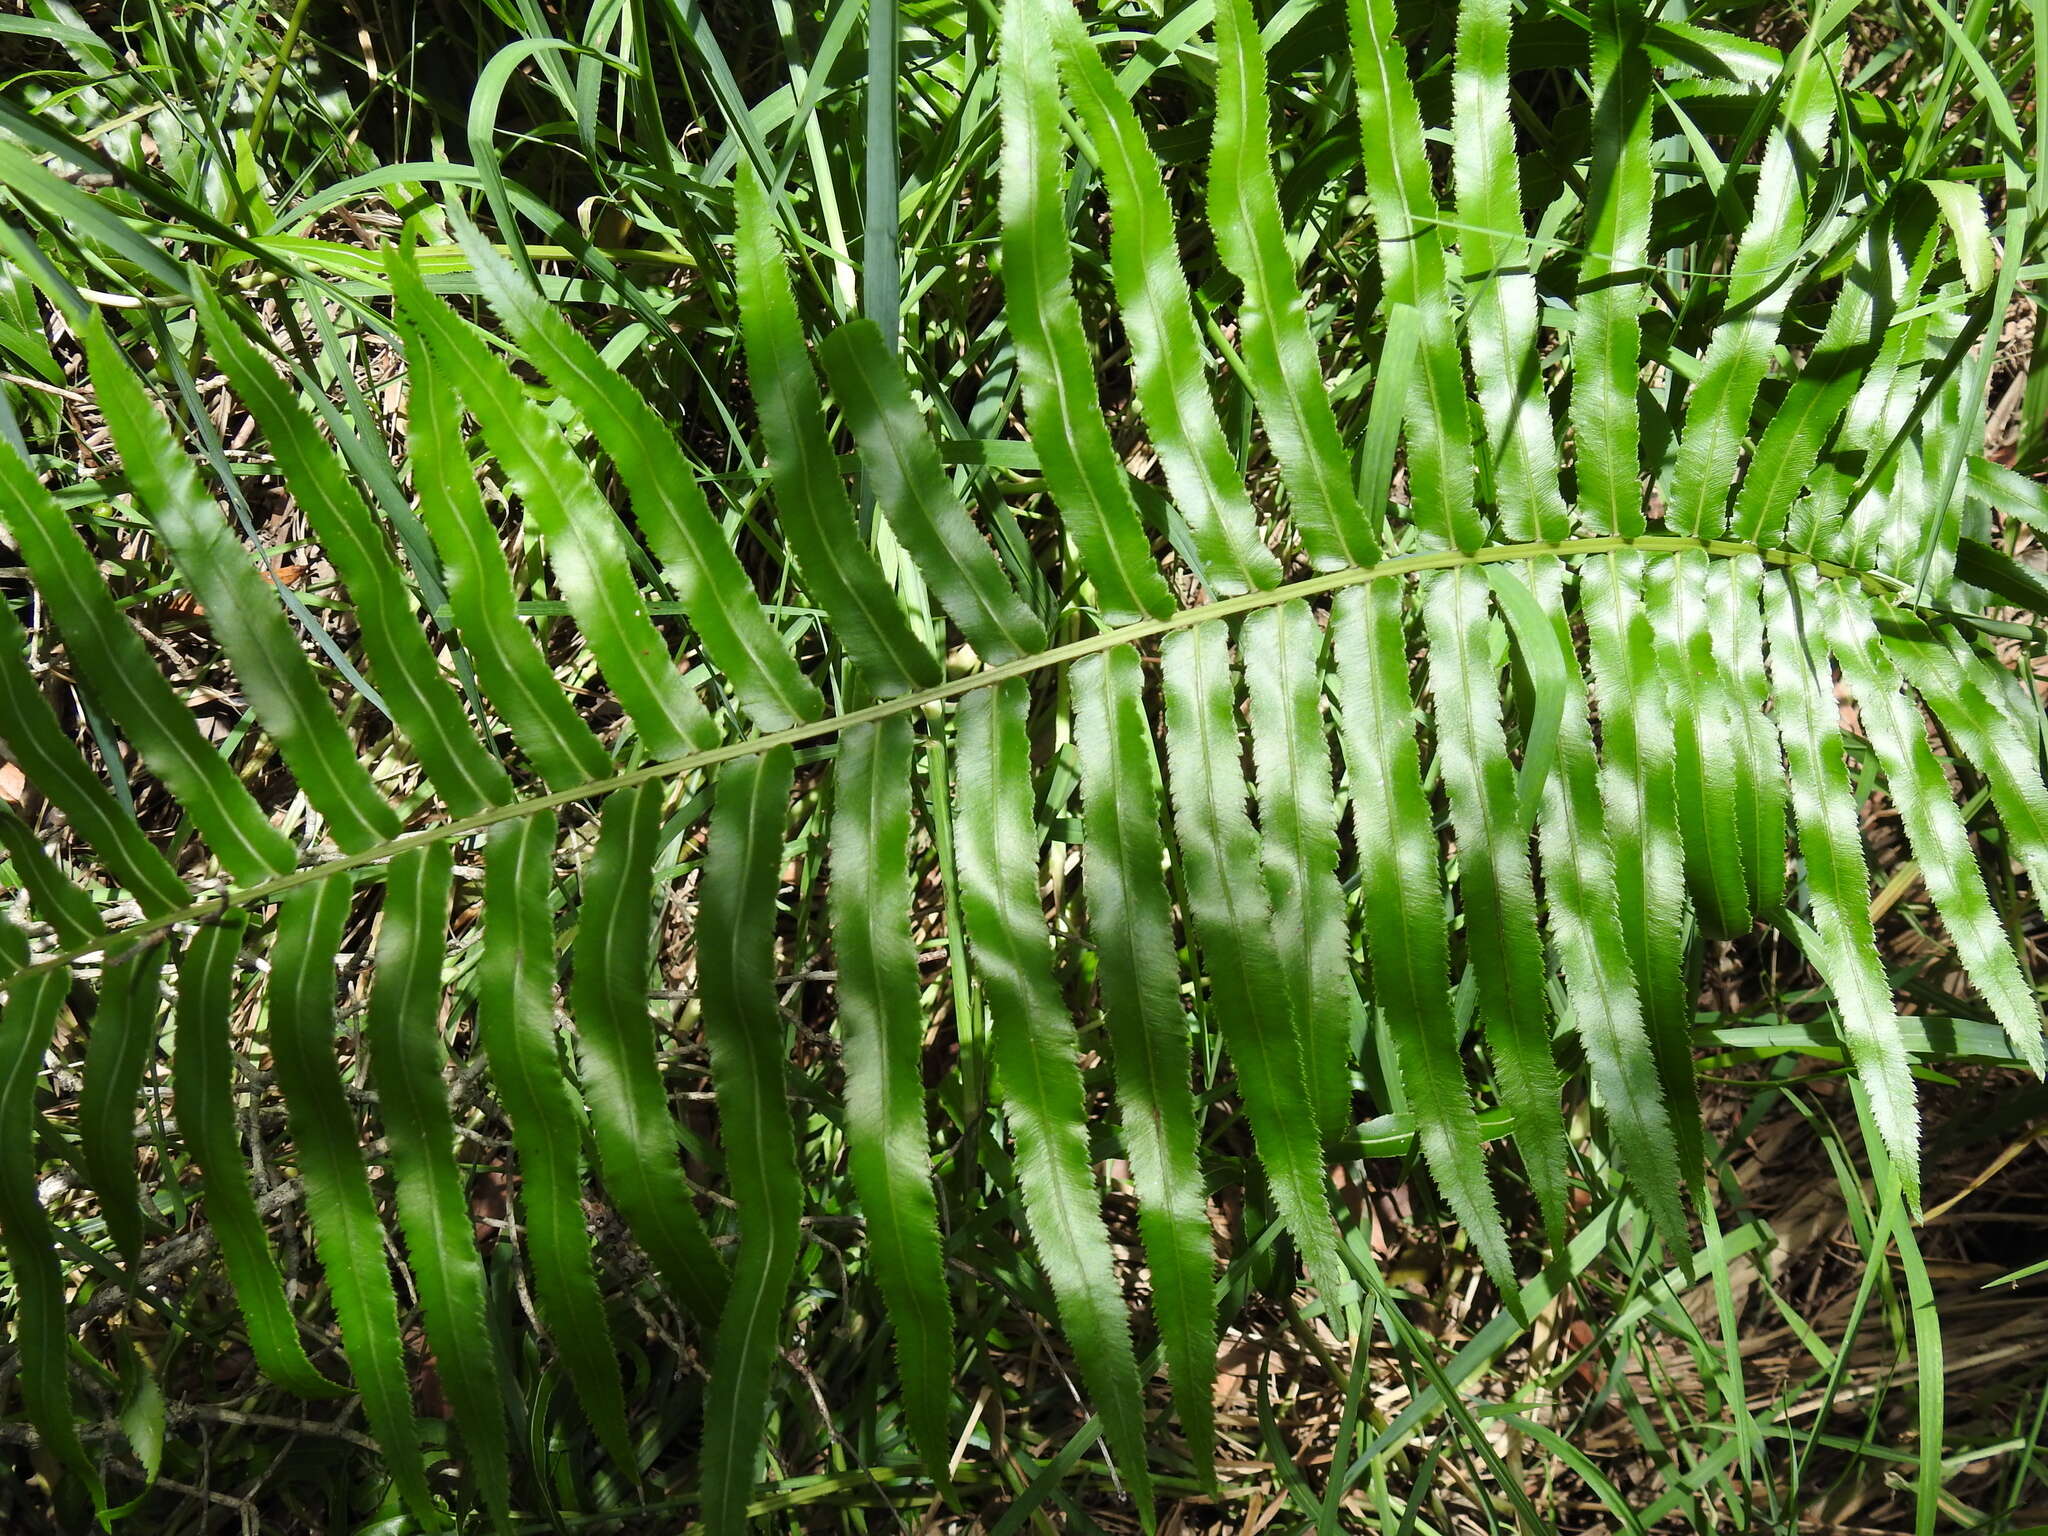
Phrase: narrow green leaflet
(31,738)
(815,514)
(53,896)
(881,1024)
(1837,878)
(1821,520)
(1584,915)
(42,1333)
(203,1087)
(124,677)
(668,504)
(1964,397)
(347,1232)
(1281,363)
(910,485)
(2000,577)
(1412,265)
(638,1148)
(1169,368)
(1934,826)
(403,1029)
(1503,946)
(1864,529)
(1790,444)
(515,1018)
(1736,620)
(122,1046)
(749,1058)
(1036,1071)
(1055,368)
(586,546)
(1232,924)
(144,1415)
(1963,689)
(242,609)
(423,706)
(508,661)
(1708,739)
(1500,282)
(1638,791)
(1723,396)
(1130,921)
(2011,492)
(1962,208)
(1921,509)
(1282,650)
(1607,328)
(1541,688)
(1405,921)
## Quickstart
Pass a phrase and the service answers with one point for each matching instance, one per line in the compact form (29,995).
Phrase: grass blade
(1130,920)
(881,273)
(1036,1071)
(881,1022)
(749,1057)
(637,1145)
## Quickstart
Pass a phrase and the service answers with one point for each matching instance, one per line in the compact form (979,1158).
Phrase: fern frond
(1444,824)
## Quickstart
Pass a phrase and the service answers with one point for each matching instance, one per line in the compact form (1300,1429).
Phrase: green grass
(1199,929)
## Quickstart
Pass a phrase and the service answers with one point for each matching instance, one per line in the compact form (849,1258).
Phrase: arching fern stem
(235,899)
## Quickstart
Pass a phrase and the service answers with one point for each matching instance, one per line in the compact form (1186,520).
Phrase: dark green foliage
(1279,645)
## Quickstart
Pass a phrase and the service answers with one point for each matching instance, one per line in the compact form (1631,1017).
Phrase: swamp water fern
(1476,721)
